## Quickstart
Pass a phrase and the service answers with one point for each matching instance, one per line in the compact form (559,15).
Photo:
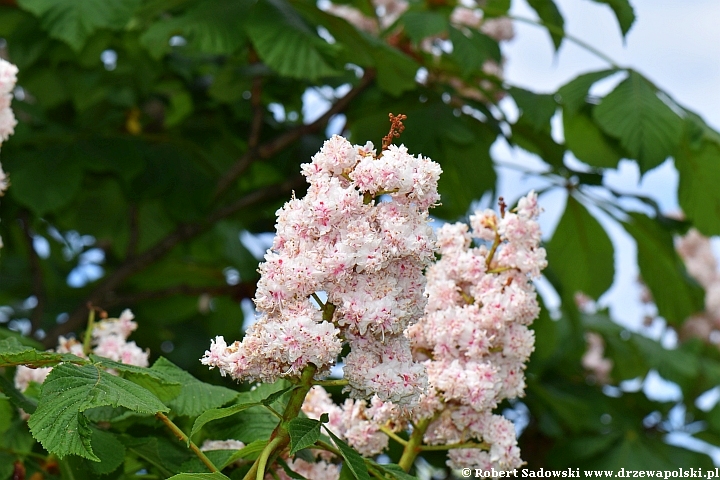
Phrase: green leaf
(676,295)
(646,127)
(573,93)
(199,476)
(73,22)
(698,193)
(540,143)
(353,461)
(537,109)
(588,143)
(623,12)
(395,70)
(419,25)
(274,397)
(580,253)
(6,411)
(13,353)
(159,383)
(166,455)
(495,8)
(16,397)
(109,450)
(287,44)
(471,49)
(551,18)
(303,433)
(218,413)
(210,26)
(46,180)
(393,471)
(58,423)
(250,452)
(195,397)
(288,471)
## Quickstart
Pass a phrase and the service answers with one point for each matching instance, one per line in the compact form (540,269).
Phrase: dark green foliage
(194,132)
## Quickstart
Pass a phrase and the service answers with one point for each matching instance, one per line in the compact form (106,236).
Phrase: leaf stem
(280,437)
(436,448)
(263,459)
(184,438)
(413,447)
(87,341)
(340,382)
(386,430)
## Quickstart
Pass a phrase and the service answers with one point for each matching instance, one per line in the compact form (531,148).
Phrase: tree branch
(272,147)
(103,292)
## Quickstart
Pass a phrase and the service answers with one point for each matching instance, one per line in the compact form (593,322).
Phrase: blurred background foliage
(154,134)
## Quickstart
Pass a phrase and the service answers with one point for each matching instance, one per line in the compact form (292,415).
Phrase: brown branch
(272,147)
(104,290)
(38,284)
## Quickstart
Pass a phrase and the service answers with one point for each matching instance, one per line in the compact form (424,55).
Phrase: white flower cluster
(364,254)
(8,78)
(474,337)
(696,251)
(109,340)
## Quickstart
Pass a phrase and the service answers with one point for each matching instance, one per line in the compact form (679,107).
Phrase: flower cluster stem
(413,447)
(87,347)
(280,437)
(184,438)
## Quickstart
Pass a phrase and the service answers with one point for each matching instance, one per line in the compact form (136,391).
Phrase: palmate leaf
(218,413)
(73,22)
(210,26)
(588,142)
(675,294)
(13,353)
(471,49)
(537,109)
(580,252)
(551,18)
(573,93)
(287,44)
(623,12)
(195,396)
(352,460)
(303,433)
(698,192)
(395,70)
(58,423)
(646,127)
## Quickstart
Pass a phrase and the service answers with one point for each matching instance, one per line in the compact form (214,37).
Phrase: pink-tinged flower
(364,255)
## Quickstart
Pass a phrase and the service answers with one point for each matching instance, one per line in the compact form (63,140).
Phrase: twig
(279,143)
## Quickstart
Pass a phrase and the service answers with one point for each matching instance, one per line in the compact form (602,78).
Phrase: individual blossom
(346,265)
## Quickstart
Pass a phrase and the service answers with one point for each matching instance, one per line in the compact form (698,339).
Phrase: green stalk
(280,438)
(87,346)
(414,445)
(183,438)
